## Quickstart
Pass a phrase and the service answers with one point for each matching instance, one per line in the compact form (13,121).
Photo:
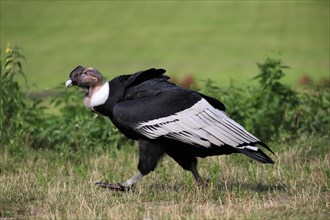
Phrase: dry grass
(44,185)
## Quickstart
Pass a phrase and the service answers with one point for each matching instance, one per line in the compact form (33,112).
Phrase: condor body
(165,118)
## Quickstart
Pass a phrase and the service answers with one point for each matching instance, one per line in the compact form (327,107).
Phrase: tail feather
(256,155)
(268,148)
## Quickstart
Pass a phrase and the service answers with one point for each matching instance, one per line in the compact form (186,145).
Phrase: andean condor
(165,119)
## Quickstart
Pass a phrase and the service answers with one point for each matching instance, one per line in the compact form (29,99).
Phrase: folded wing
(188,118)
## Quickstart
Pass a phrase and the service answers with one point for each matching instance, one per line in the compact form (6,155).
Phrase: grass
(220,40)
(51,184)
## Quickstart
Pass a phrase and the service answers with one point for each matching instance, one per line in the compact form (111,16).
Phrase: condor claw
(113,186)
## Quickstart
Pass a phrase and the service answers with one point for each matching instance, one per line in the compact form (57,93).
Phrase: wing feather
(233,136)
(234,133)
(225,137)
(201,125)
(240,130)
(214,138)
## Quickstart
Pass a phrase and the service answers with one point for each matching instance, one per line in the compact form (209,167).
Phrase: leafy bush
(26,120)
(12,102)
(76,126)
(272,107)
(268,109)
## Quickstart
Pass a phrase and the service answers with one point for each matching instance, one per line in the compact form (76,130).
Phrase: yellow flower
(8,60)
(8,67)
(9,49)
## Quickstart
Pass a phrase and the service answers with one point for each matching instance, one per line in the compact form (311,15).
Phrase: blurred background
(218,40)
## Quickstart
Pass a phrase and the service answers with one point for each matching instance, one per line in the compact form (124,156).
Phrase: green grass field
(45,184)
(50,162)
(220,40)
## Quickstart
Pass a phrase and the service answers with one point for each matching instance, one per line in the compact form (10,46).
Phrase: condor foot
(113,186)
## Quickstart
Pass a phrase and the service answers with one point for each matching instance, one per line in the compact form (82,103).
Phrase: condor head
(85,78)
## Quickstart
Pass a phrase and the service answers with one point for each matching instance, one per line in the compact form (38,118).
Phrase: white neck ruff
(100,96)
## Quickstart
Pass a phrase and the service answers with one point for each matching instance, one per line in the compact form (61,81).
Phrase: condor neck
(97,95)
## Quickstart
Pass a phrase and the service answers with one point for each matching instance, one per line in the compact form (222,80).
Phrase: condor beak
(68,83)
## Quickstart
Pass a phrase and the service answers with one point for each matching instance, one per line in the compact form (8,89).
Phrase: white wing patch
(200,125)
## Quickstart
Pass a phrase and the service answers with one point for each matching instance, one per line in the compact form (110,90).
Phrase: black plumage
(165,119)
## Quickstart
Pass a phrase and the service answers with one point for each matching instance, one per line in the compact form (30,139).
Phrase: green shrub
(268,109)
(12,100)
(272,107)
(24,120)
(77,126)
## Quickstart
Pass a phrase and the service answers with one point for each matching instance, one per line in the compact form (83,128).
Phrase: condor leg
(125,186)
(187,161)
(149,156)
(196,175)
